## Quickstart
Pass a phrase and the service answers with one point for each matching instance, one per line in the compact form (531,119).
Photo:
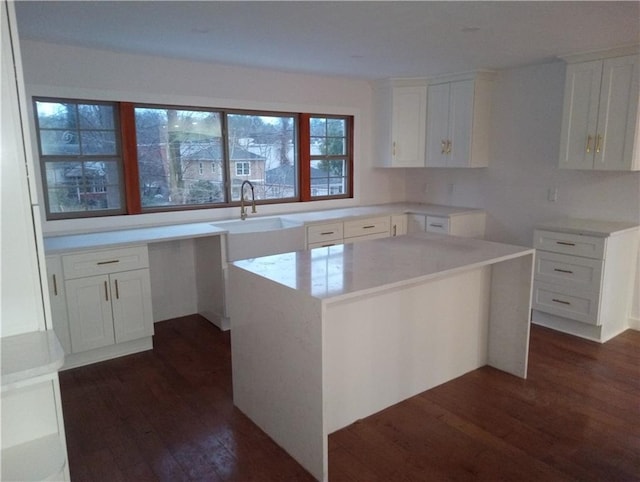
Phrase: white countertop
(30,355)
(338,272)
(588,227)
(124,237)
(173,232)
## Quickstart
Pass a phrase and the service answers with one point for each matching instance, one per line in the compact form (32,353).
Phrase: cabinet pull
(436,225)
(589,138)
(55,286)
(443,146)
(117,291)
(563,270)
(369,227)
(394,148)
(108,262)
(562,302)
(326,233)
(395,229)
(598,142)
(106,291)
(449,147)
(328,244)
(565,243)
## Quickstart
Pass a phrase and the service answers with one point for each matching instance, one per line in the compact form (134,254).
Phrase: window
(264,147)
(172,146)
(80,157)
(101,158)
(330,156)
(243,168)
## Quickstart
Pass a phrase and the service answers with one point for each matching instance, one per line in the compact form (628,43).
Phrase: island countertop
(339,272)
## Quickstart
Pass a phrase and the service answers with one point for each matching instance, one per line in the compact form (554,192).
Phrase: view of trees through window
(183,157)
(81,156)
(329,156)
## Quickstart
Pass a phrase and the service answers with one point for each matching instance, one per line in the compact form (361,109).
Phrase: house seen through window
(176,158)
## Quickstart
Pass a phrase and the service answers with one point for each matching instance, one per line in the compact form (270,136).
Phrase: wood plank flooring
(168,415)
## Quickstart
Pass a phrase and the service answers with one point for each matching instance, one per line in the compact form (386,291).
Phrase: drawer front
(568,271)
(436,224)
(366,237)
(324,232)
(579,305)
(567,243)
(104,262)
(363,227)
(324,244)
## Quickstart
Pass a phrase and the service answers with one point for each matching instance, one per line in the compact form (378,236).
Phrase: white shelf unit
(33,437)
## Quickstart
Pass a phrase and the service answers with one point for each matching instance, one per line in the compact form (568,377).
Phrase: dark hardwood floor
(168,415)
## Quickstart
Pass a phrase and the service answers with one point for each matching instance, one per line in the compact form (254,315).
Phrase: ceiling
(360,39)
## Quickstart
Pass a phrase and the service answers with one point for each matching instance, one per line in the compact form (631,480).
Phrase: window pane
(179,156)
(262,149)
(96,116)
(59,143)
(98,142)
(83,186)
(336,127)
(328,177)
(318,127)
(56,115)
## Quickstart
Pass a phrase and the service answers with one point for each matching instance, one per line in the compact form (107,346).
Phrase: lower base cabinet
(107,302)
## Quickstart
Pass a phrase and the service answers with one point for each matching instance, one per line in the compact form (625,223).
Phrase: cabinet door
(58,301)
(437,125)
(617,114)
(408,126)
(90,316)
(460,123)
(398,225)
(416,223)
(580,115)
(131,301)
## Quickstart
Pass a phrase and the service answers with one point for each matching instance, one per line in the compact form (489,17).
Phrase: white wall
(65,71)
(525,141)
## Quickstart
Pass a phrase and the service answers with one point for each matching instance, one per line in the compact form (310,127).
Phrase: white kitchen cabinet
(369,228)
(400,107)
(108,303)
(457,127)
(399,224)
(583,278)
(329,234)
(469,225)
(58,301)
(600,115)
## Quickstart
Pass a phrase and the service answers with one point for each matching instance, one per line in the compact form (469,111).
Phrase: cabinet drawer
(579,305)
(567,243)
(324,232)
(363,227)
(324,244)
(436,224)
(103,262)
(569,271)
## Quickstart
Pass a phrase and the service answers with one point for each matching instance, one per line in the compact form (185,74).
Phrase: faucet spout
(243,211)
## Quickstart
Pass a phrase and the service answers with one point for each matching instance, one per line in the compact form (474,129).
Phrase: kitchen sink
(254,237)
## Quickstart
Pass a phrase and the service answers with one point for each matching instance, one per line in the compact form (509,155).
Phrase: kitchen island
(322,338)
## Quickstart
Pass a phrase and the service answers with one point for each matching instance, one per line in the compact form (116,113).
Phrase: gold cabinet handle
(55,286)
(106,291)
(589,139)
(449,147)
(598,142)
(562,302)
(443,146)
(108,262)
(117,291)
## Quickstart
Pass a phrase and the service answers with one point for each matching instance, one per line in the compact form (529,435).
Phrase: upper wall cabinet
(600,116)
(400,123)
(457,129)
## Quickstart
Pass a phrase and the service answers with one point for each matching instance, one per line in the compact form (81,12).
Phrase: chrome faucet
(243,211)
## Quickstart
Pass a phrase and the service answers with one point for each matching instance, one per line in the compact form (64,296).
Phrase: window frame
(129,182)
(118,157)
